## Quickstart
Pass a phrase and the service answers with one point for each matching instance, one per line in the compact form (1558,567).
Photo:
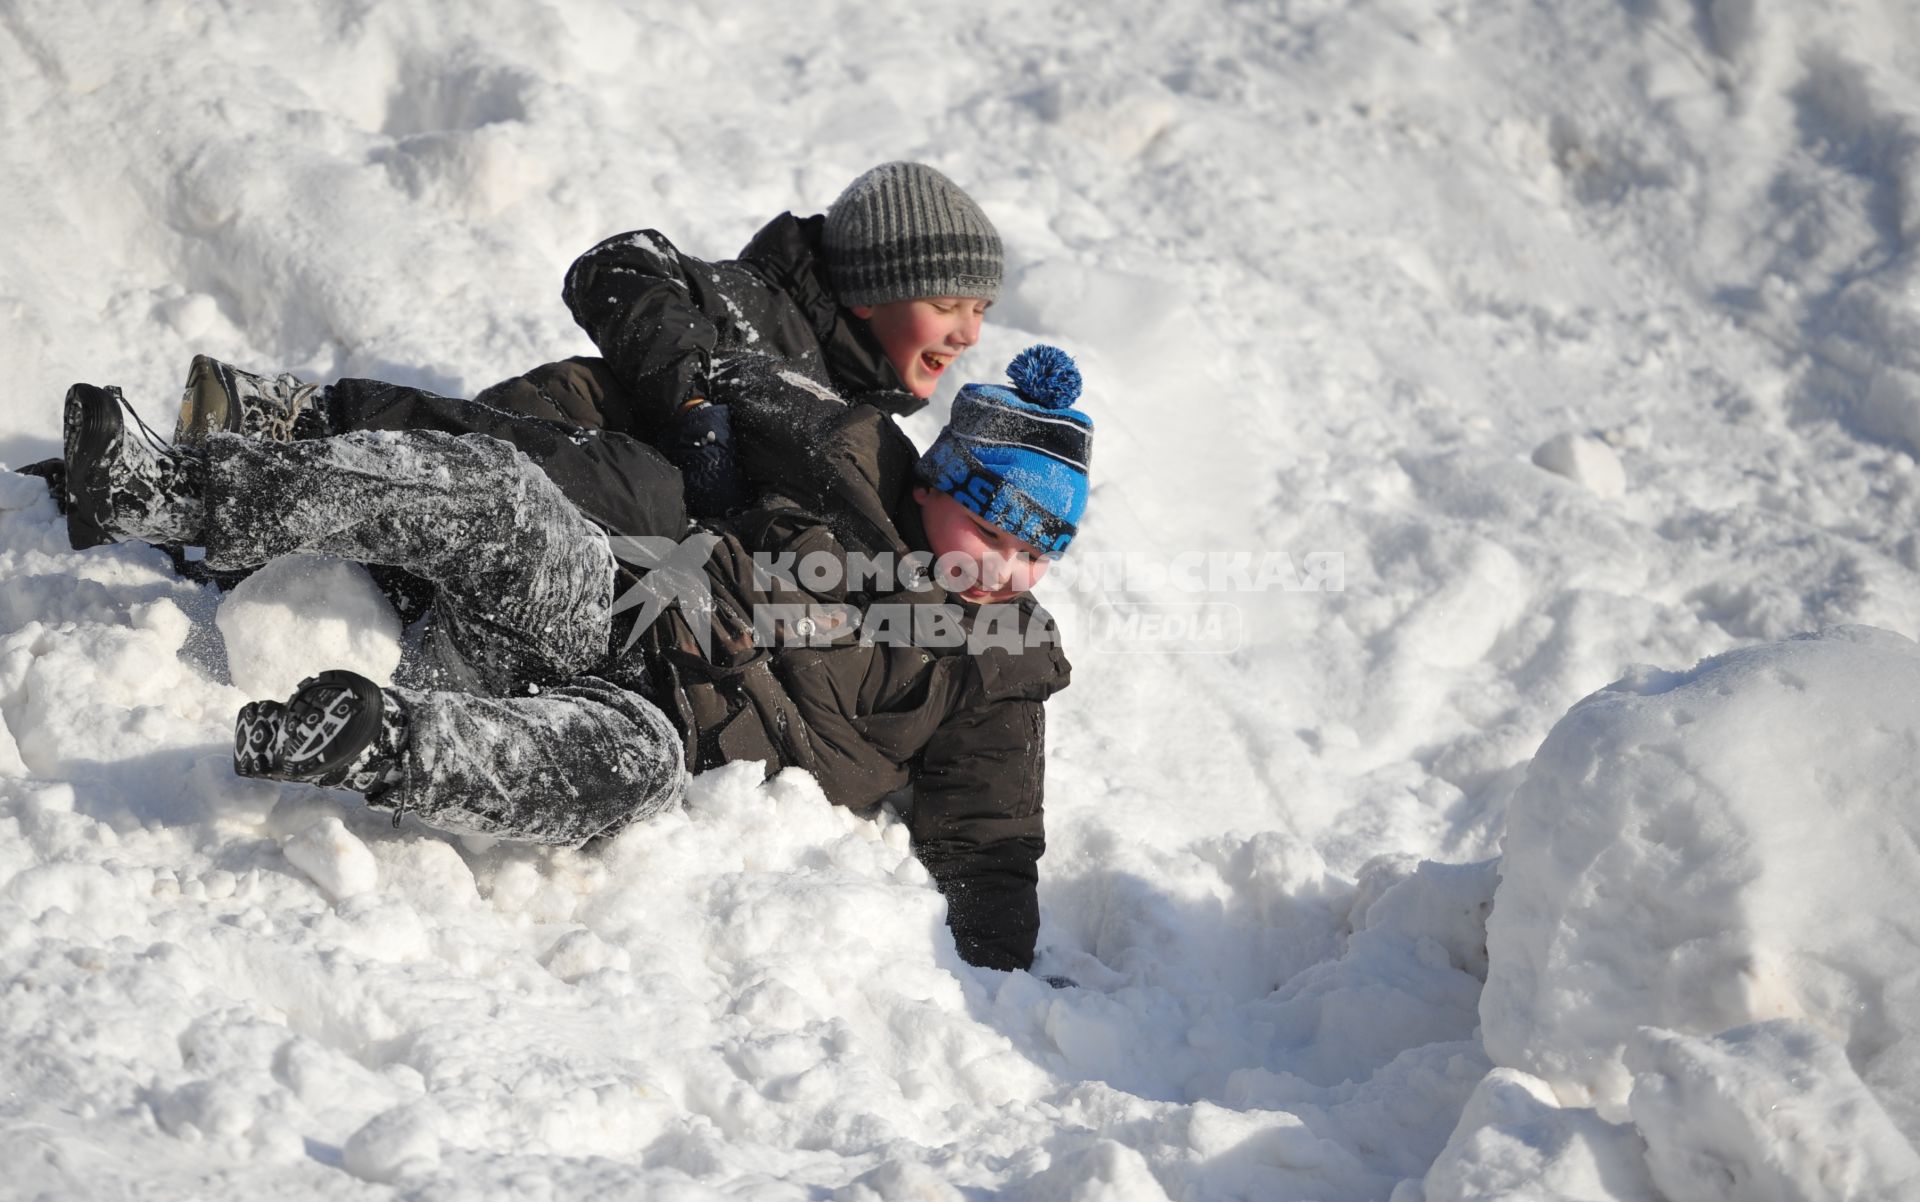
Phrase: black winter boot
(123,482)
(221,397)
(339,729)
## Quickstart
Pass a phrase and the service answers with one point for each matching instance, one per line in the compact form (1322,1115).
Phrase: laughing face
(923,337)
(976,561)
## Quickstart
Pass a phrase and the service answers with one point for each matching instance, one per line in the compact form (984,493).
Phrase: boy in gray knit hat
(912,255)
(872,300)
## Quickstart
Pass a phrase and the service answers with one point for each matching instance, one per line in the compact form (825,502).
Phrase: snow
(1764,1112)
(1584,460)
(301,615)
(334,857)
(1516,1141)
(1708,849)
(1334,275)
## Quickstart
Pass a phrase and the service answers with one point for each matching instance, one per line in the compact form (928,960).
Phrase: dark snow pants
(624,485)
(527,745)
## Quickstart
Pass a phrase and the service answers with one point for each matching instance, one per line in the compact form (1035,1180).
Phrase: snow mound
(1585,461)
(303,614)
(1767,1113)
(334,857)
(1703,850)
(393,1145)
(1514,1142)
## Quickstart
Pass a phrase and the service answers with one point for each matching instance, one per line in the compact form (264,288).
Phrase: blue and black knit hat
(1018,456)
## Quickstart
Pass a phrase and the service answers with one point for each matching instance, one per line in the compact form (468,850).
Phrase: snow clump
(301,615)
(1585,461)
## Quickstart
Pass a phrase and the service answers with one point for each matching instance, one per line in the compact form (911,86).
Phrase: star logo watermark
(676,574)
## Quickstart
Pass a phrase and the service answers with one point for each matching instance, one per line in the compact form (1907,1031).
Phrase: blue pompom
(1046,376)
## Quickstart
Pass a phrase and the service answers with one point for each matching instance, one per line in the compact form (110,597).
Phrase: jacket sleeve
(658,315)
(977,826)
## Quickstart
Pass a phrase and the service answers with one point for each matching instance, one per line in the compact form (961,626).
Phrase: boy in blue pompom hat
(927,687)
(868,621)
(1017,457)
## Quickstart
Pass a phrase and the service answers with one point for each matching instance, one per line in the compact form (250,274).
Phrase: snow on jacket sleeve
(978,828)
(658,316)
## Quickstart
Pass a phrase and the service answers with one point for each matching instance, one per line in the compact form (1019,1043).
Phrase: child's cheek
(932,329)
(953,541)
(1018,574)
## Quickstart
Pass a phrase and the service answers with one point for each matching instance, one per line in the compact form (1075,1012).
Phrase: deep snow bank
(1692,853)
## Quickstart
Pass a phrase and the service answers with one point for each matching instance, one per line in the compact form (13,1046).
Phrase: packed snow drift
(1465,821)
(1701,924)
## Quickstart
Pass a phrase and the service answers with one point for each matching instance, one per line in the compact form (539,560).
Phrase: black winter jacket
(964,725)
(661,318)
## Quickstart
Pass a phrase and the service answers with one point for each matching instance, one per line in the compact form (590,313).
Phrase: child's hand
(702,448)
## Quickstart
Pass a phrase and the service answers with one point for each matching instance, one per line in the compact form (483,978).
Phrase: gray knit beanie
(903,231)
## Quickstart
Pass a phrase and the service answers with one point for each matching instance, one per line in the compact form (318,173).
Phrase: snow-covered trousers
(527,745)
